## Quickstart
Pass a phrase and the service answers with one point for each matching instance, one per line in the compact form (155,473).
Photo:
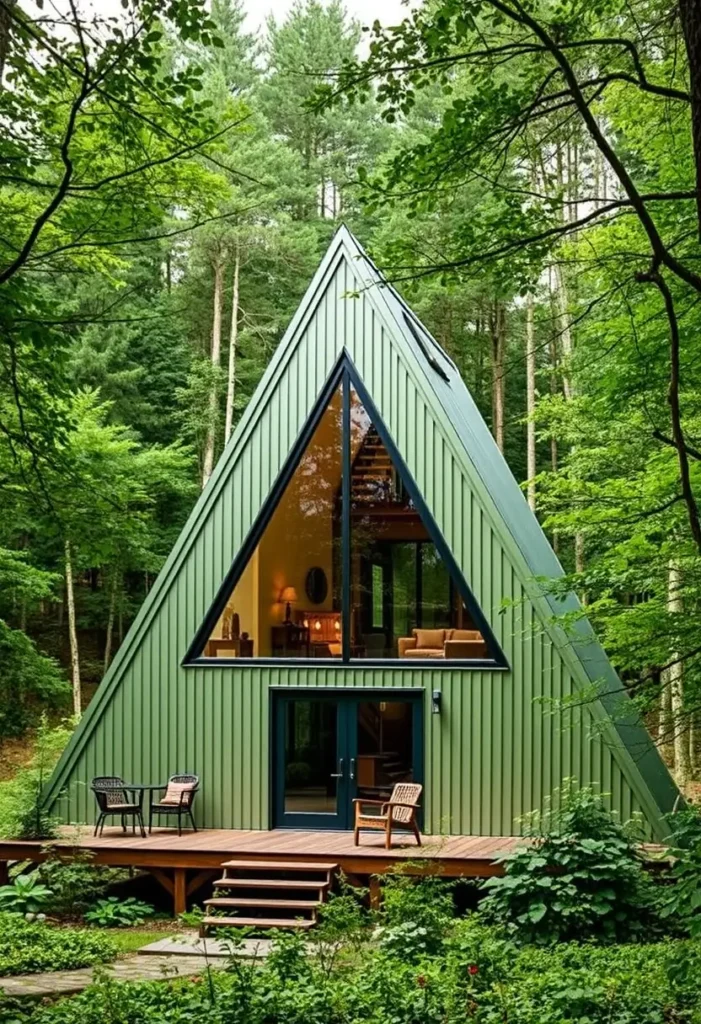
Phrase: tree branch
(655,277)
(661,253)
(60,192)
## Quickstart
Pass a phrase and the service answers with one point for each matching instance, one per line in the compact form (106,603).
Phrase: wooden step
(277,865)
(249,875)
(221,901)
(257,922)
(270,883)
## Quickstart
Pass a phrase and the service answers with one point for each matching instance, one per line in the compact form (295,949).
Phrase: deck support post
(375,892)
(179,891)
(4,874)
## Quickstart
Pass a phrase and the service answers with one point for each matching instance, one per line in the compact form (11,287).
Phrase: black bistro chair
(111,795)
(178,799)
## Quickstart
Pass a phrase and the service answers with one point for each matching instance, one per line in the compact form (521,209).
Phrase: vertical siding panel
(533,734)
(489,756)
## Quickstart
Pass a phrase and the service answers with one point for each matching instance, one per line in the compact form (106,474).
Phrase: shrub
(31,948)
(76,882)
(426,903)
(481,976)
(579,878)
(681,902)
(343,918)
(21,813)
(116,913)
(26,895)
(28,680)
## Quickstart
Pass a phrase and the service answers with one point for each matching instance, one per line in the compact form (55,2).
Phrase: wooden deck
(182,864)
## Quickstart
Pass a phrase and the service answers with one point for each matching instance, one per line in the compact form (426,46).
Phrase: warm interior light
(306,623)
(337,626)
(287,596)
(317,624)
(383,706)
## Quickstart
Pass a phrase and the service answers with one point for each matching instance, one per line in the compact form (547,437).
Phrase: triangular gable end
(345,486)
(468,457)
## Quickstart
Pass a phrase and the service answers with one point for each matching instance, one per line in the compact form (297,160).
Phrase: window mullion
(345,522)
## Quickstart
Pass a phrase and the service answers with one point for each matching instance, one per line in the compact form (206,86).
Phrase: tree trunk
(530,403)
(565,329)
(676,685)
(208,461)
(692,746)
(579,553)
(690,17)
(664,724)
(110,621)
(233,341)
(72,634)
(498,335)
(553,347)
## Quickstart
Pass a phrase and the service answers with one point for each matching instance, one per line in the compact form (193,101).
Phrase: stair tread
(257,922)
(270,883)
(279,865)
(224,901)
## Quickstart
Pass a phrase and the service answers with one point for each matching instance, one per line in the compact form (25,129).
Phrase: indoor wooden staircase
(373,478)
(267,894)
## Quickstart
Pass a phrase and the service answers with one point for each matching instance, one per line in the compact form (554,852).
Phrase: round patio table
(141,788)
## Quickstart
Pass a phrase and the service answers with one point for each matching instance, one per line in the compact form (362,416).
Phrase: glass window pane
(286,603)
(310,757)
(403,601)
(385,744)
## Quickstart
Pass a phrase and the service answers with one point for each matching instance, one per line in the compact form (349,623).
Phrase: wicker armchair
(400,810)
(111,795)
(178,799)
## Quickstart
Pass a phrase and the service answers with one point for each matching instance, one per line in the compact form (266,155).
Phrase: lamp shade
(288,594)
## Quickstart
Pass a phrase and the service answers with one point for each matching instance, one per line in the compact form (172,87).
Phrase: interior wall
(245,602)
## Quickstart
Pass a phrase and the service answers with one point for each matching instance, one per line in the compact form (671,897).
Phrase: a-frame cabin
(354,601)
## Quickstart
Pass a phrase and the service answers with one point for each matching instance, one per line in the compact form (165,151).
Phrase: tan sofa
(442,643)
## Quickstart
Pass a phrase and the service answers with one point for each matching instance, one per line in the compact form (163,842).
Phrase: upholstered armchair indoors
(442,643)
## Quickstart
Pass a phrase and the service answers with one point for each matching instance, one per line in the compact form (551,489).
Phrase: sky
(388,12)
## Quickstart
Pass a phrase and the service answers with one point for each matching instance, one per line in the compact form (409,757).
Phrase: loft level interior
(288,599)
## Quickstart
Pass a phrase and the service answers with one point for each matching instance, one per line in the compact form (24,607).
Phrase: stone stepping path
(173,957)
(213,948)
(133,968)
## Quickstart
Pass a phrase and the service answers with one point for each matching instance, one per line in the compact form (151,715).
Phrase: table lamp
(289,596)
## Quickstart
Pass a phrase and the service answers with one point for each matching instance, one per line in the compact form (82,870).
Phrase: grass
(128,940)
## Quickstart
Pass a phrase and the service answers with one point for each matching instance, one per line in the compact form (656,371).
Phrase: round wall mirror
(316,585)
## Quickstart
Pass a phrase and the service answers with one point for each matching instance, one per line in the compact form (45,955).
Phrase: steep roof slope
(456,417)
(458,407)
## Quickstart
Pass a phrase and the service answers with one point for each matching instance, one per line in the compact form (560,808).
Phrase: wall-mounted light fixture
(436,701)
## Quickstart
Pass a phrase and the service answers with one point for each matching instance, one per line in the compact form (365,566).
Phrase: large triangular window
(345,562)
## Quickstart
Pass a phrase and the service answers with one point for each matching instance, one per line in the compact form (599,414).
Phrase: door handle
(352,768)
(339,773)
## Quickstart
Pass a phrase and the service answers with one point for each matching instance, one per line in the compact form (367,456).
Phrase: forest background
(527,174)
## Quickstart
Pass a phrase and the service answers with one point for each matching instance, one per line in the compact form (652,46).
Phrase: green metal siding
(493,753)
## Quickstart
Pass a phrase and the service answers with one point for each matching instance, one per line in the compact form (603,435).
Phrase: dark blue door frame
(346,703)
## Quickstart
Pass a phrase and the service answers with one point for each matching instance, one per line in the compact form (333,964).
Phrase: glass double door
(331,749)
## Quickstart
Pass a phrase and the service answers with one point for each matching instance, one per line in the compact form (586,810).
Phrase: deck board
(451,855)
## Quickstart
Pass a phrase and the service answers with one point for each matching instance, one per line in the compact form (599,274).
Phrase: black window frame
(345,376)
